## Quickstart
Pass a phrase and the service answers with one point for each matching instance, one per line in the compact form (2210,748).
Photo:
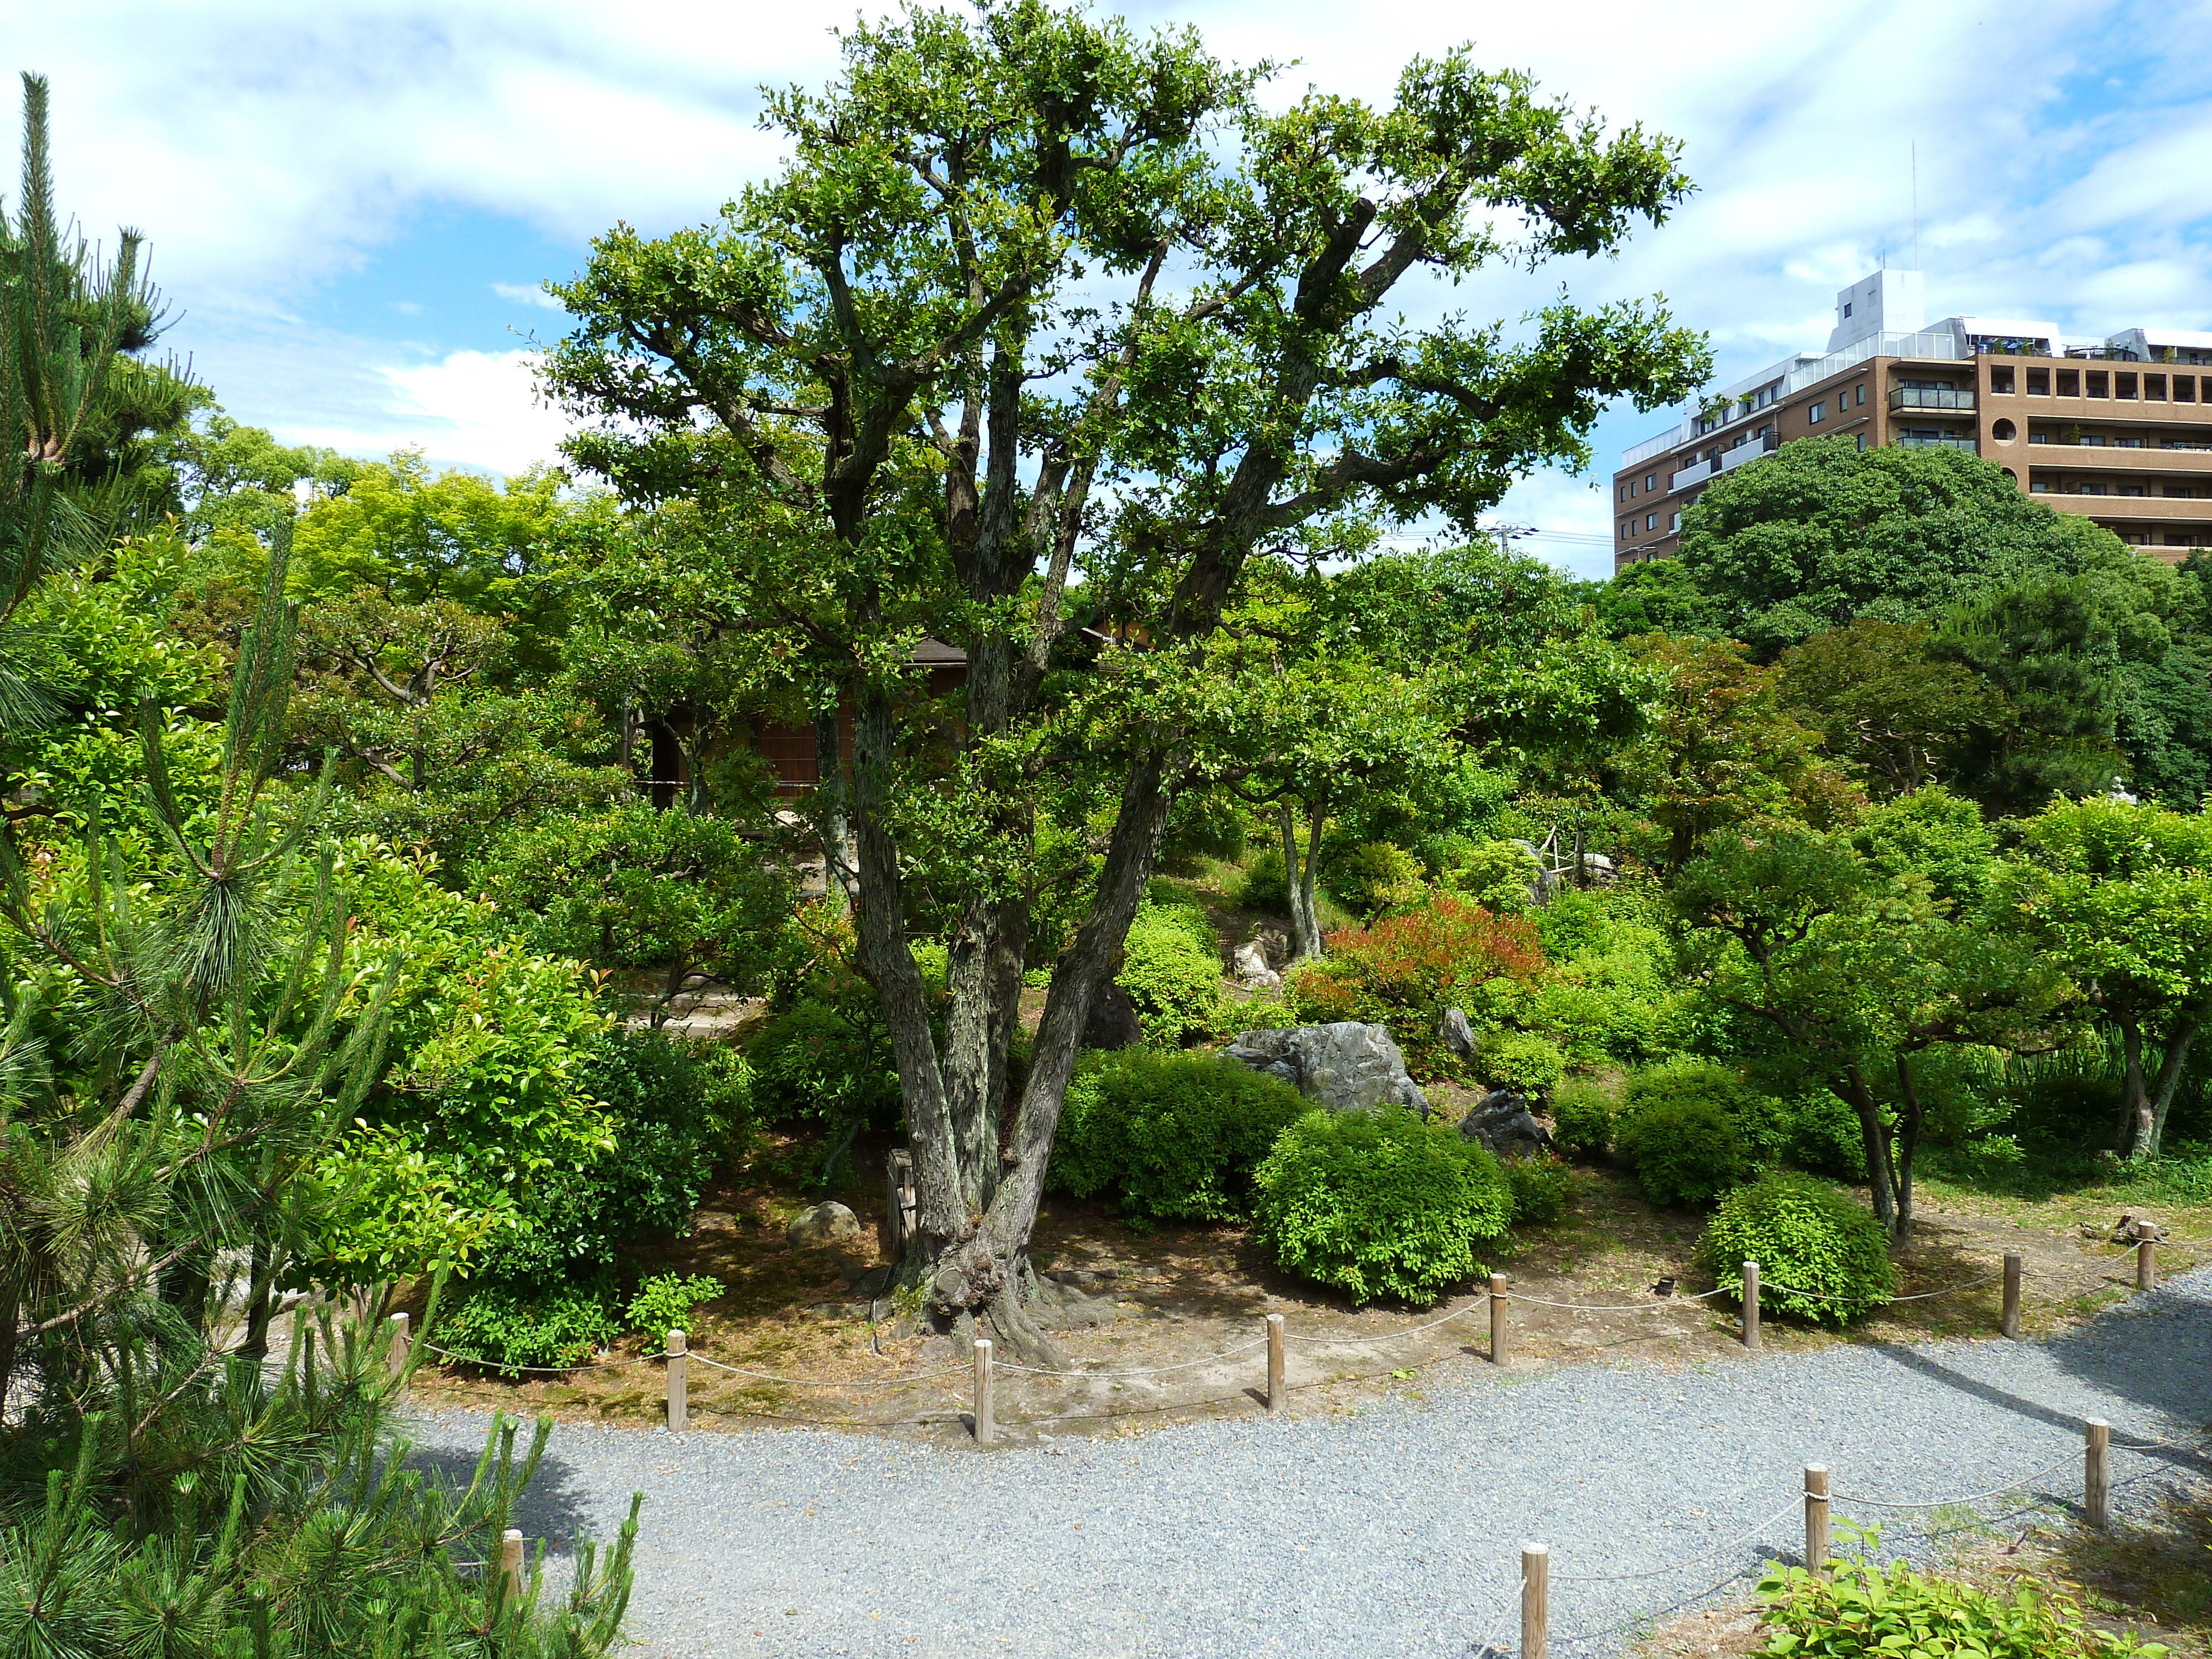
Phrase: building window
(2039,486)
(1847,307)
(2131,490)
(1859,398)
(1651,482)
(2001,379)
(2184,388)
(2180,492)
(2123,386)
(2070,382)
(1815,415)
(1675,529)
(2039,383)
(1650,521)
(2004,432)
(1862,443)
(2154,388)
(2100,383)
(1624,530)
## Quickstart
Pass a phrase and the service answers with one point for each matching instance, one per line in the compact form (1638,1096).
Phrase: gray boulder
(1344,1067)
(1502,1121)
(1113,1022)
(1274,941)
(823,1224)
(1251,969)
(1458,1035)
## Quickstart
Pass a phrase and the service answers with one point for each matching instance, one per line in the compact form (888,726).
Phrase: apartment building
(2119,431)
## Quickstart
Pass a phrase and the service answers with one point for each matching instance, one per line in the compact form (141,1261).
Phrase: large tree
(1032,288)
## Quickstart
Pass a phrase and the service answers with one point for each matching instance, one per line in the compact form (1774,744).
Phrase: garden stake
(1535,1595)
(679,1397)
(2011,1324)
(2097,1473)
(1498,1333)
(398,1358)
(1751,1307)
(984,1432)
(1274,1365)
(510,1560)
(1816,1518)
(2146,1265)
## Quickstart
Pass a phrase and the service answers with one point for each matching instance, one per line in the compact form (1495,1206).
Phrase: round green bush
(1378,1203)
(1540,1186)
(1169,1136)
(1171,968)
(1581,1119)
(1376,877)
(817,1060)
(1825,1137)
(508,1326)
(1684,1152)
(1807,1234)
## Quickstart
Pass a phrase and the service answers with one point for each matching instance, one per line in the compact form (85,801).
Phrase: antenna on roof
(1916,205)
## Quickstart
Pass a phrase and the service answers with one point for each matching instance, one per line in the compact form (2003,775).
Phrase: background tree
(2119,896)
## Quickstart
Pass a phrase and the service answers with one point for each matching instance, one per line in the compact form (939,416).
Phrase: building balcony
(1692,475)
(1941,399)
(1751,451)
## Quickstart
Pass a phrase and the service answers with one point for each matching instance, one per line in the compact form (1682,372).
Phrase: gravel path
(1395,1529)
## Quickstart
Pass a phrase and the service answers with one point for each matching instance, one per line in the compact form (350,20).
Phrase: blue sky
(351,206)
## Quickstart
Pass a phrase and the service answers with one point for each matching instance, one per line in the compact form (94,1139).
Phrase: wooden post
(2146,1265)
(396,1359)
(1274,1365)
(1816,1517)
(679,1395)
(1499,1336)
(1535,1598)
(2097,1473)
(1751,1307)
(986,1432)
(2011,1322)
(510,1560)
(898,1202)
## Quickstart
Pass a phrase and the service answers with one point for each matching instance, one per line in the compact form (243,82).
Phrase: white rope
(1619,1307)
(1389,1336)
(1886,1302)
(825,1382)
(1949,1503)
(540,1371)
(1660,1573)
(1145,1371)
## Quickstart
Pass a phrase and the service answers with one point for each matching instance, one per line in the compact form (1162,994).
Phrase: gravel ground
(1392,1530)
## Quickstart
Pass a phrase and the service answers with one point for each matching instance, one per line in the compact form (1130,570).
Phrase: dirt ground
(1176,1296)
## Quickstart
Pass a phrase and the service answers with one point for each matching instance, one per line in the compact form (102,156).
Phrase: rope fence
(1498,1299)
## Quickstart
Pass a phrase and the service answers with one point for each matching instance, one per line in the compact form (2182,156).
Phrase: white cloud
(526,294)
(473,409)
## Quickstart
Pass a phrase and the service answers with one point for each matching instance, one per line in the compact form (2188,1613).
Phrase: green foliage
(822,1060)
(1403,971)
(1494,874)
(1856,1609)
(1826,1137)
(1821,1256)
(676,1108)
(508,1326)
(1692,1130)
(1264,886)
(1375,878)
(1169,1136)
(665,1301)
(1525,1060)
(1583,1118)
(1380,1203)
(1171,969)
(1541,1185)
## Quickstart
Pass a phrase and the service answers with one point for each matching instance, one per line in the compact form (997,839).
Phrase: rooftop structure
(2069,421)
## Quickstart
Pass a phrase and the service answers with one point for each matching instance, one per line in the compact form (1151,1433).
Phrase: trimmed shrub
(1171,968)
(1825,1137)
(1581,1119)
(1520,1059)
(507,1326)
(1378,1203)
(1685,1151)
(679,1108)
(1860,1610)
(817,1060)
(1169,1136)
(1807,1234)
(1540,1186)
(1376,877)
(664,1302)
(1496,874)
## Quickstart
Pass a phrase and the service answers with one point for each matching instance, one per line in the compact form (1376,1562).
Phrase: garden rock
(1344,1067)
(1113,1022)
(1458,1036)
(1502,1122)
(1274,941)
(1251,964)
(824,1223)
